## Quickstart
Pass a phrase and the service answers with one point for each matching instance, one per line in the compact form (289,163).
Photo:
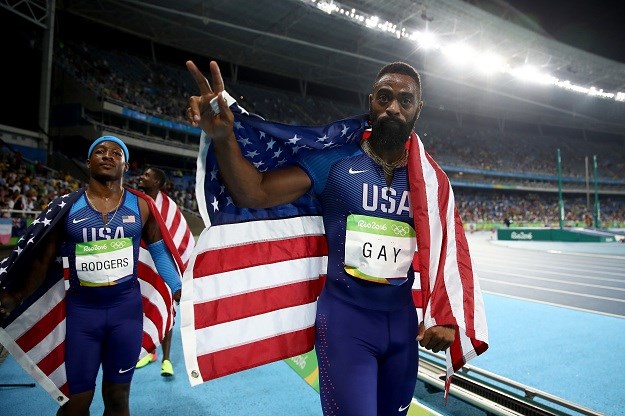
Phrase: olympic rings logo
(400,231)
(118,244)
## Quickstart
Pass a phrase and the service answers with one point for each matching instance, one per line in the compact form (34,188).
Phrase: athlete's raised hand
(217,124)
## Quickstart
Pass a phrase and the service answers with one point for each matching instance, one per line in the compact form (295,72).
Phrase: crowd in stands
(26,188)
(536,209)
(148,87)
(179,187)
(162,89)
(486,148)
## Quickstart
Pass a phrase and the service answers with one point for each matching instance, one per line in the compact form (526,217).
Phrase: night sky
(594,26)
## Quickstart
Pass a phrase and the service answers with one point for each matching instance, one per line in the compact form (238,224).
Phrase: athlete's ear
(419,108)
(125,166)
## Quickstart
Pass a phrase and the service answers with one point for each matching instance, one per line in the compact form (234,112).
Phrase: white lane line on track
(539,288)
(600,256)
(526,270)
(559,305)
(531,253)
(572,258)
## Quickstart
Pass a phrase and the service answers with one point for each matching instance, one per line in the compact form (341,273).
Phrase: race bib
(379,250)
(103,262)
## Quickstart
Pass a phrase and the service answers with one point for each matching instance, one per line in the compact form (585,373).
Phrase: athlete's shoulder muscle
(317,164)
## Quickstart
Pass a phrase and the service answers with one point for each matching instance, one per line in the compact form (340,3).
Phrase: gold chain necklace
(388,168)
(116,208)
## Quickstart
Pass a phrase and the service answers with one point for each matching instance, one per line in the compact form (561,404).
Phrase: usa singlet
(104,306)
(366,323)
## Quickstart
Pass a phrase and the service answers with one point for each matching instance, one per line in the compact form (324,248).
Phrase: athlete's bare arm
(249,187)
(151,232)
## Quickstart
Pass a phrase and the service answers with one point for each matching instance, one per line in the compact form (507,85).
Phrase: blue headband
(108,139)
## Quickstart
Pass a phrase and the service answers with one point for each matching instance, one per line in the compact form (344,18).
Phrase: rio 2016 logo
(521,236)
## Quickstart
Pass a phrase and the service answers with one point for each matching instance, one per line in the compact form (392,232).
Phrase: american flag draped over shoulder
(177,225)
(34,333)
(250,289)
(249,293)
(450,290)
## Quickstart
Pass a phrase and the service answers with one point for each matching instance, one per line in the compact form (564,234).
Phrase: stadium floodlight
(459,52)
(532,74)
(372,21)
(566,84)
(327,6)
(596,92)
(426,40)
(490,63)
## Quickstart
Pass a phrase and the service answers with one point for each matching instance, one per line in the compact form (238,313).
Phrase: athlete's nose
(393,108)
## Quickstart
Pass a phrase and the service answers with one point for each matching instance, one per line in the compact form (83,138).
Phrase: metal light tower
(560,200)
(597,218)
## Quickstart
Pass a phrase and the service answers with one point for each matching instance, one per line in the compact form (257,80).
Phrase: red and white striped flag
(249,292)
(450,291)
(254,289)
(34,334)
(177,226)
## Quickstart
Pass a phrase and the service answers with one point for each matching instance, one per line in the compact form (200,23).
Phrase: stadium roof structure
(301,39)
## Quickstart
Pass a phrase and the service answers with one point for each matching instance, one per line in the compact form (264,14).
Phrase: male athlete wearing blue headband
(100,237)
(113,139)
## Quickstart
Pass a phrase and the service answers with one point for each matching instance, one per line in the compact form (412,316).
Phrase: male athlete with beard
(367,330)
(152,181)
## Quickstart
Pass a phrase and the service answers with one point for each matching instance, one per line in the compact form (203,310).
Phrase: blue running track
(556,315)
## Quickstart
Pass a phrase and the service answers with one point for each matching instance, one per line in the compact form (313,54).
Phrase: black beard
(390,132)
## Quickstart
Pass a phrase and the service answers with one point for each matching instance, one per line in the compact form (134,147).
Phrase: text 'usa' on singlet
(102,254)
(368,226)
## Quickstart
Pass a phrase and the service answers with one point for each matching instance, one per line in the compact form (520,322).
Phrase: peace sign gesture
(218,124)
